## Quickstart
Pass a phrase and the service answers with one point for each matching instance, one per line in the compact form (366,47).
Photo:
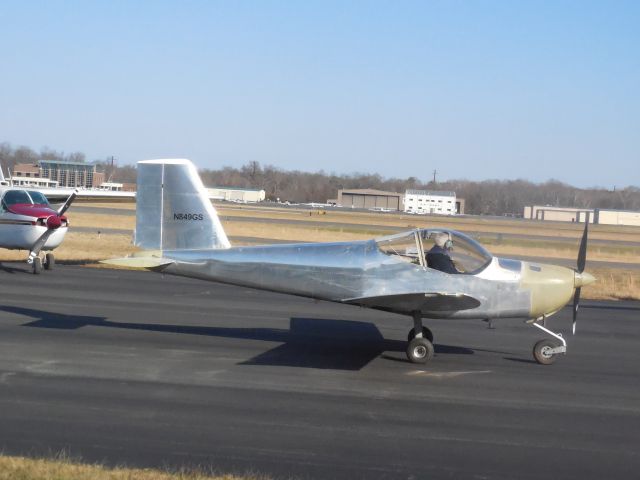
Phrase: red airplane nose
(53,222)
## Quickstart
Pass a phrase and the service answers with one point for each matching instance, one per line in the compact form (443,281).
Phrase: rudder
(173,210)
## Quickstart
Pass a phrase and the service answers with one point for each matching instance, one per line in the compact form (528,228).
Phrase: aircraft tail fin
(173,210)
(3,181)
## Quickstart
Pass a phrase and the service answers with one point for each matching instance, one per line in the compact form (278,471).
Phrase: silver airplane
(179,233)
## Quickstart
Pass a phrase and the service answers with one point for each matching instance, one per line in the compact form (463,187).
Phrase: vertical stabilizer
(2,179)
(173,210)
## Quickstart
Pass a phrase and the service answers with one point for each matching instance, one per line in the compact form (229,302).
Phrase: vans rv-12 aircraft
(27,222)
(181,234)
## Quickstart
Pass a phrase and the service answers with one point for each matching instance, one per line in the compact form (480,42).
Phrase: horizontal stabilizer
(139,261)
(422,302)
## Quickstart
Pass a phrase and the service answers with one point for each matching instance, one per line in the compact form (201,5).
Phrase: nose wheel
(543,352)
(36,265)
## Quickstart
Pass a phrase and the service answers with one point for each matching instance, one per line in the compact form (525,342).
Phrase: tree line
(488,197)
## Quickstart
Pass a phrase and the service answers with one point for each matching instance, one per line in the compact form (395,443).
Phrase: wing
(423,302)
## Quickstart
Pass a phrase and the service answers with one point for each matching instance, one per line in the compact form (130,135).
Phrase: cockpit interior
(420,247)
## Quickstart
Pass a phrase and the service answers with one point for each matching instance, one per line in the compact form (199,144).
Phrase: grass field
(20,468)
(618,283)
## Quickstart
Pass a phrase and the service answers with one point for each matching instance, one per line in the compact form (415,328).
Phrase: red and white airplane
(28,222)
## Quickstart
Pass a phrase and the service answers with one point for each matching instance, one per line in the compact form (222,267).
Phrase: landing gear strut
(419,349)
(546,351)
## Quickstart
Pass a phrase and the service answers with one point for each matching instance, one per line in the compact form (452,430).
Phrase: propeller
(53,222)
(582,260)
(65,206)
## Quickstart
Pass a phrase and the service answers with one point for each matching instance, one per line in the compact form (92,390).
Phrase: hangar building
(592,215)
(370,198)
(234,194)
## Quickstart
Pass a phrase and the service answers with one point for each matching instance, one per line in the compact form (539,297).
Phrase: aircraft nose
(583,279)
(53,222)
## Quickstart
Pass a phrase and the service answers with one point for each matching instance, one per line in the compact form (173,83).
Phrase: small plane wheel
(37,265)
(420,350)
(426,333)
(540,352)
(49,261)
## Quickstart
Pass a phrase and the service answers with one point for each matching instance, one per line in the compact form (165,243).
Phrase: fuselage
(344,271)
(21,224)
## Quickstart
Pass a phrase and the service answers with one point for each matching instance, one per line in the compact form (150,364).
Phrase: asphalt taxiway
(142,369)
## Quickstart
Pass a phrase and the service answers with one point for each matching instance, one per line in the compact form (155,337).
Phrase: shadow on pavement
(308,343)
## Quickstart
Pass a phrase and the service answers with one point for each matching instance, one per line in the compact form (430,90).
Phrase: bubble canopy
(469,256)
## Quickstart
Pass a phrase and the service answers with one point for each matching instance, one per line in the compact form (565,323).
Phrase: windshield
(14,197)
(403,246)
(468,255)
(38,198)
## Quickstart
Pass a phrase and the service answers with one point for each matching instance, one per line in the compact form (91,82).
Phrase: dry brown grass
(82,247)
(20,468)
(613,284)
(292,233)
(80,219)
(594,253)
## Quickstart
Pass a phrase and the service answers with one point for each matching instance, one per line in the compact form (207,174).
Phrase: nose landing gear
(37,262)
(546,351)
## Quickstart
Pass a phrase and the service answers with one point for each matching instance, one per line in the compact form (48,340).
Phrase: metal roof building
(370,198)
(236,194)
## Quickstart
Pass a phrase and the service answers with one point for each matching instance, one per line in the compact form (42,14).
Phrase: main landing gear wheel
(542,352)
(420,350)
(49,261)
(426,333)
(37,265)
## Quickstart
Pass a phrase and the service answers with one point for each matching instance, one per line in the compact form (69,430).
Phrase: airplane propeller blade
(581,263)
(582,253)
(576,305)
(68,203)
(39,243)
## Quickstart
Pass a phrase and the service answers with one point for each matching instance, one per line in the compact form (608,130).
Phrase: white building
(430,201)
(232,194)
(592,215)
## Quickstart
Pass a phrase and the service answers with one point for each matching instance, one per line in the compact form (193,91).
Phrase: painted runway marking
(423,373)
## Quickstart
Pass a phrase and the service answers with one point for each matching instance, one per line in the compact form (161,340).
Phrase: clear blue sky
(476,89)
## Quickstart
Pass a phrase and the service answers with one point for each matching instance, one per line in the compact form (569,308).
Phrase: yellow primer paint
(551,287)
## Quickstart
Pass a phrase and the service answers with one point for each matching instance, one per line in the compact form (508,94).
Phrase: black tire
(49,261)
(540,352)
(37,265)
(420,350)
(426,333)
